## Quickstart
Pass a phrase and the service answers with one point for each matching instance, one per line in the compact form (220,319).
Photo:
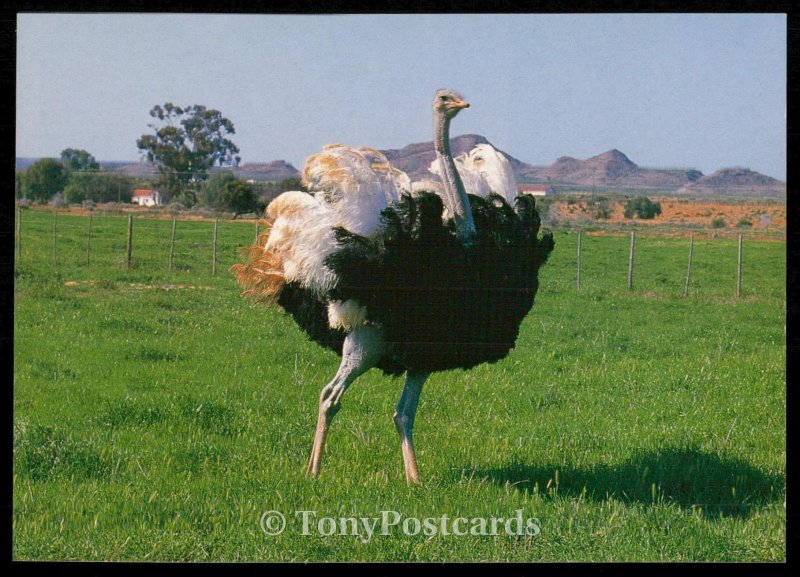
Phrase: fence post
(689,267)
(55,227)
(256,240)
(214,250)
(89,240)
(172,243)
(739,270)
(19,232)
(578,276)
(129,246)
(630,261)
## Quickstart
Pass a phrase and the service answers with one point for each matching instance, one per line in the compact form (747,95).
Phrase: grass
(157,415)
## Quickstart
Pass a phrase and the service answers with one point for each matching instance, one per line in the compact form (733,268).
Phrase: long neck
(453,186)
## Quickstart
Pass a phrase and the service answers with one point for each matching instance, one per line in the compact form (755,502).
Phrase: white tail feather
(347,315)
(302,236)
(357,183)
(483,170)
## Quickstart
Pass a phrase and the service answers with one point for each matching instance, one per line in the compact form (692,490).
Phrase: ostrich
(380,277)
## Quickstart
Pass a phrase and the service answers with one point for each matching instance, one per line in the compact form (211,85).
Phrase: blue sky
(703,91)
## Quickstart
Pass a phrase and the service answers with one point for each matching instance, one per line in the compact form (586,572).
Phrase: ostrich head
(448,103)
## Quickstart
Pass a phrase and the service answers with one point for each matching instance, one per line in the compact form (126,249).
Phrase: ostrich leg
(404,421)
(361,351)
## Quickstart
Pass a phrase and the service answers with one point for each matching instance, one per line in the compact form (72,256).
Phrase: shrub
(600,208)
(744,222)
(187,198)
(240,198)
(642,207)
(58,201)
(213,187)
(718,222)
(602,213)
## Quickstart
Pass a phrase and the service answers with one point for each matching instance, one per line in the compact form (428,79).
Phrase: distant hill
(135,169)
(23,162)
(275,170)
(611,169)
(735,182)
(260,171)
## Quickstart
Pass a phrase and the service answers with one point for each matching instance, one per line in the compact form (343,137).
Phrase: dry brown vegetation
(763,216)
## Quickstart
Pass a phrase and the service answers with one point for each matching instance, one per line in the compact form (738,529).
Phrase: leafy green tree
(98,187)
(44,179)
(187,198)
(78,159)
(76,192)
(642,207)
(116,188)
(212,189)
(240,198)
(19,184)
(186,143)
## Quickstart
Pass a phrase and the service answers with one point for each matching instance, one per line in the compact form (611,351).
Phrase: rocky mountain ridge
(606,171)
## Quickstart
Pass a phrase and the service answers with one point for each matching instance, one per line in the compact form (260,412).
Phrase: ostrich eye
(443,98)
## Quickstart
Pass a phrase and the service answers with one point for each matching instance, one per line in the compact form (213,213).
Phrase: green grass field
(157,414)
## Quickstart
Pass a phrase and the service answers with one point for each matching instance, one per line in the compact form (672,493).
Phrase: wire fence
(650,265)
(69,242)
(670,266)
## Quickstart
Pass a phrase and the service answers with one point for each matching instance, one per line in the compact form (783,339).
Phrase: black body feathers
(441,305)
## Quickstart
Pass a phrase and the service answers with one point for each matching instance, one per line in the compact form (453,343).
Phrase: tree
(240,198)
(187,142)
(642,207)
(44,179)
(212,189)
(187,198)
(78,190)
(98,187)
(19,184)
(78,159)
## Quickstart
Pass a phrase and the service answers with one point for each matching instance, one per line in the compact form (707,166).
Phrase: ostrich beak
(459,104)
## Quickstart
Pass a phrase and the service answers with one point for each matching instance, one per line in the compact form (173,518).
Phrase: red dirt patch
(678,212)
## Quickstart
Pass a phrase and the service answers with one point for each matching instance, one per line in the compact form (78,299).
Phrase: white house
(535,189)
(146,197)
